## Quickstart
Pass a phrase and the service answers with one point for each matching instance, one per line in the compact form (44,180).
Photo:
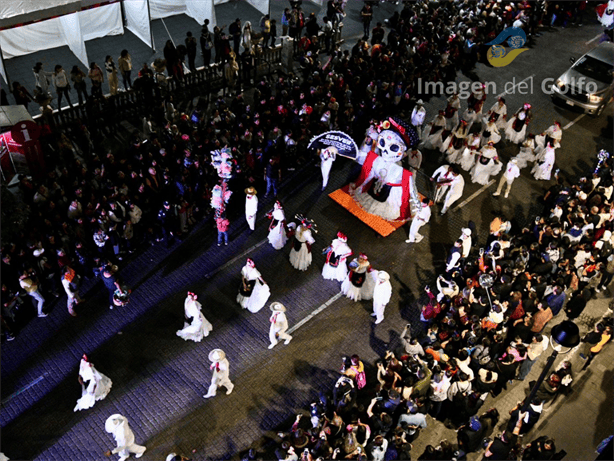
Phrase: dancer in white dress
(359,283)
(418,115)
(451,112)
(499,112)
(450,185)
(221,373)
(490,132)
(251,207)
(327,157)
(300,254)
(279,325)
(335,267)
(94,385)
(253,291)
(454,144)
(434,132)
(475,103)
(467,158)
(382,292)
(124,437)
(552,135)
(544,163)
(196,326)
(277,229)
(527,152)
(486,165)
(516,128)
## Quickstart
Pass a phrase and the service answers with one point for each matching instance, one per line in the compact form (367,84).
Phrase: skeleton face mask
(391,146)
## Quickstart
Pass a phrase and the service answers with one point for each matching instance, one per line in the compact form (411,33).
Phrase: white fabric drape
(44,35)
(197,9)
(137,19)
(3,72)
(165,8)
(200,10)
(260,5)
(70,29)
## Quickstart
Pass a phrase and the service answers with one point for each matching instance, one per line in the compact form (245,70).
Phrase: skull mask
(391,146)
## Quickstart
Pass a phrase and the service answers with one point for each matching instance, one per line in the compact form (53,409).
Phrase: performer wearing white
(442,177)
(511,172)
(544,163)
(251,207)
(465,239)
(434,132)
(253,291)
(527,152)
(420,219)
(418,115)
(279,325)
(199,327)
(486,164)
(327,157)
(97,388)
(490,132)
(451,112)
(475,103)
(552,135)
(300,254)
(359,283)
(335,267)
(450,186)
(221,372)
(124,437)
(381,295)
(499,112)
(516,128)
(454,144)
(414,159)
(277,228)
(467,158)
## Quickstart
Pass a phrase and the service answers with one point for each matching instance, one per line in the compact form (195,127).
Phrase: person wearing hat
(94,385)
(418,115)
(251,207)
(465,239)
(221,371)
(124,437)
(335,267)
(420,219)
(327,157)
(198,327)
(511,172)
(381,295)
(279,325)
(254,291)
(469,435)
(300,254)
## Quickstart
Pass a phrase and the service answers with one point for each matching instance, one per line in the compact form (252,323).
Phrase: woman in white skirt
(277,228)
(527,152)
(335,267)
(499,112)
(544,163)
(359,283)
(434,132)
(490,132)
(196,326)
(486,165)
(97,388)
(451,112)
(475,103)
(467,158)
(552,135)
(516,128)
(300,254)
(454,145)
(253,291)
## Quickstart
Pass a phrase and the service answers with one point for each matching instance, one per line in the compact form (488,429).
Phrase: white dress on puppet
(277,228)
(498,111)
(516,128)
(327,157)
(605,14)
(335,267)
(253,291)
(454,144)
(360,282)
(544,163)
(451,112)
(251,207)
(97,388)
(433,134)
(384,188)
(527,152)
(467,158)
(486,165)
(124,437)
(199,327)
(300,254)
(490,132)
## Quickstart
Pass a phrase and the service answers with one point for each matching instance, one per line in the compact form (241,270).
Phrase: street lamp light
(564,335)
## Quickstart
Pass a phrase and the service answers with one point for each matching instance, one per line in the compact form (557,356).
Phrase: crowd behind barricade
(481,329)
